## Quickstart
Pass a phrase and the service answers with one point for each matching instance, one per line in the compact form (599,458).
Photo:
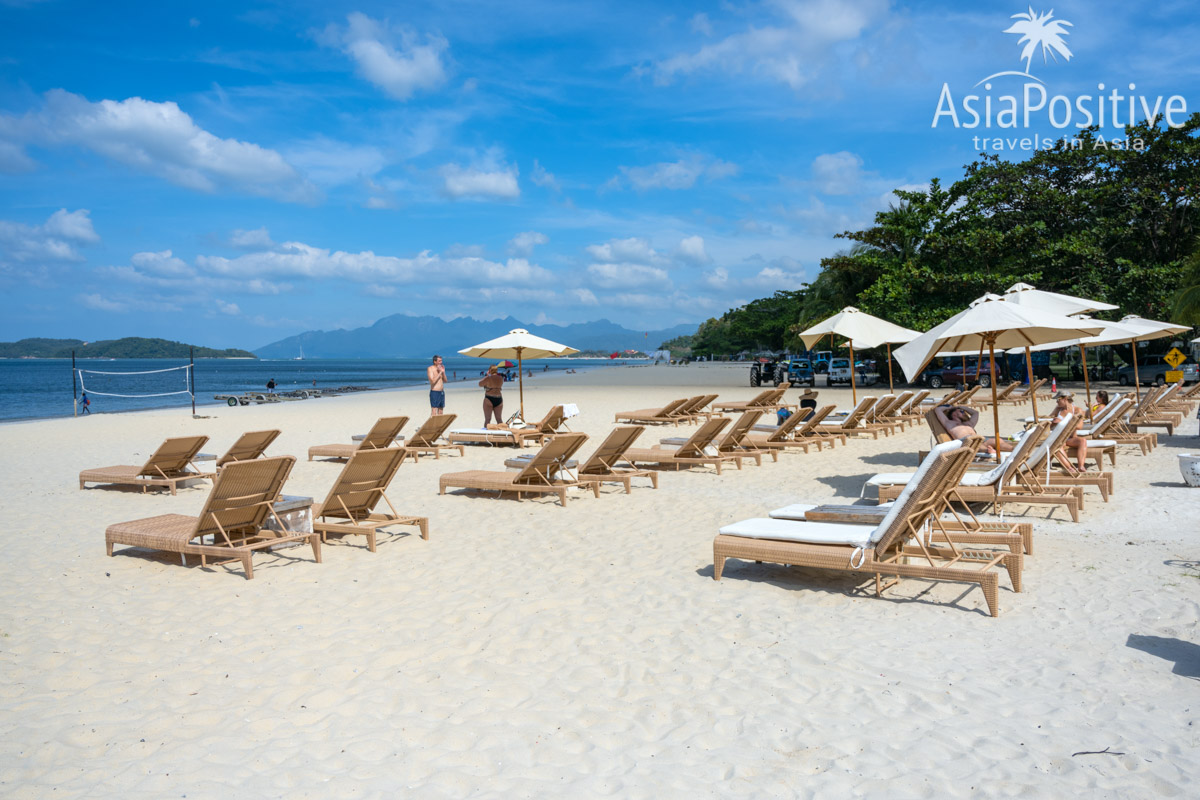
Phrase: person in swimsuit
(437,387)
(1063,405)
(959,422)
(493,400)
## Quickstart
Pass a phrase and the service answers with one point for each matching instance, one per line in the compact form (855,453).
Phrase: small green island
(129,347)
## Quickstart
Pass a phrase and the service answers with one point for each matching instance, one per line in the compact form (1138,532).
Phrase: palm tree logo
(1038,30)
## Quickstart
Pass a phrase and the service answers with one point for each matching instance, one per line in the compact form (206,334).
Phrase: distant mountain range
(130,347)
(403,336)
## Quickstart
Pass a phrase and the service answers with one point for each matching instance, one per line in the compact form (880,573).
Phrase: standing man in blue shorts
(437,387)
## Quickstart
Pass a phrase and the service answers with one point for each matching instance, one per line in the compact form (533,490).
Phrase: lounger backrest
(967,396)
(383,433)
(936,427)
(690,406)
(901,403)
(611,450)
(1006,391)
(249,446)
(761,399)
(813,420)
(1111,413)
(883,406)
(671,408)
(1061,431)
(173,455)
(553,419)
(1002,472)
(702,438)
(859,411)
(431,430)
(784,431)
(733,437)
(362,483)
(550,458)
(242,495)
(917,490)
(914,403)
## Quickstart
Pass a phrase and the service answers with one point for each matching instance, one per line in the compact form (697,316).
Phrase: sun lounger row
(233,525)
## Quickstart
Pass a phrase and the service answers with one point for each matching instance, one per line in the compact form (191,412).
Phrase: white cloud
(462,182)
(163,264)
(774,279)
(257,239)
(717,278)
(101,303)
(792,50)
(692,250)
(837,173)
(624,276)
(228,308)
(55,240)
(395,61)
(634,249)
(585,297)
(160,139)
(331,163)
(701,24)
(541,177)
(681,174)
(13,159)
(523,243)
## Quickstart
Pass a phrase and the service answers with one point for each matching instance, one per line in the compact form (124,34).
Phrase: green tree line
(131,347)
(1119,225)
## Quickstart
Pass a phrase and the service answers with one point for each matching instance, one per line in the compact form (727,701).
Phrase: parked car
(950,372)
(766,370)
(1152,369)
(839,371)
(800,371)
(820,361)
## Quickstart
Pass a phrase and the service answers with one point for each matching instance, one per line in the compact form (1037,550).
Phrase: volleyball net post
(74,389)
(192,376)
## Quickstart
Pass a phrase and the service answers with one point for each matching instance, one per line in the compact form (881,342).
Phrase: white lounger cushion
(808,532)
(482,432)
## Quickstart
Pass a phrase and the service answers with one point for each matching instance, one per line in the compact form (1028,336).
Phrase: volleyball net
(145,383)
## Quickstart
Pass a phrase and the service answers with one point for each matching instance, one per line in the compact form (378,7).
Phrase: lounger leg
(990,583)
(423,523)
(1014,563)
(110,548)
(248,566)
(371,540)
(718,567)
(315,541)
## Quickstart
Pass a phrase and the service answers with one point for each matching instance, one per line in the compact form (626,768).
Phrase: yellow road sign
(1173,375)
(1175,357)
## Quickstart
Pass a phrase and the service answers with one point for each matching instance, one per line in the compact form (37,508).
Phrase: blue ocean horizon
(41,388)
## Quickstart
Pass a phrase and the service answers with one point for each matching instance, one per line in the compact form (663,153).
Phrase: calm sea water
(36,388)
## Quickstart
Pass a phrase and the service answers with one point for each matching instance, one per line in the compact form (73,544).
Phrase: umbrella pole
(1137,383)
(995,406)
(1087,384)
(1032,394)
(891,386)
(521,383)
(853,387)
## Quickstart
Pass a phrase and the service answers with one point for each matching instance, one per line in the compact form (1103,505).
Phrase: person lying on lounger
(960,421)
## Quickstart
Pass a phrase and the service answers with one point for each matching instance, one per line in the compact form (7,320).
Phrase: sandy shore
(530,650)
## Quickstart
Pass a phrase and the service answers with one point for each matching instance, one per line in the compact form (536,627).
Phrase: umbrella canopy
(863,330)
(1147,329)
(1025,295)
(519,344)
(990,322)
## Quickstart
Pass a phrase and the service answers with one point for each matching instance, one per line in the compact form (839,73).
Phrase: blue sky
(229,174)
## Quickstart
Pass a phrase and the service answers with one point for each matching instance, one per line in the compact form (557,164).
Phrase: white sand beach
(532,650)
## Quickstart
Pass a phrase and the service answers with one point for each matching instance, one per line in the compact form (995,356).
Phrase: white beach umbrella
(860,329)
(1026,295)
(991,323)
(519,344)
(1147,329)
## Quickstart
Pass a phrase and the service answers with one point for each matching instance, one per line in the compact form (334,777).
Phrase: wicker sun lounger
(230,526)
(947,524)
(1011,481)
(884,549)
(854,423)
(609,465)
(517,436)
(382,434)
(654,416)
(545,473)
(766,400)
(350,506)
(794,432)
(699,449)
(248,447)
(167,467)
(427,438)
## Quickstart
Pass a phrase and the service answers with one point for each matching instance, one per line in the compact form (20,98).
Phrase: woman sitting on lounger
(959,422)
(1063,405)
(493,401)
